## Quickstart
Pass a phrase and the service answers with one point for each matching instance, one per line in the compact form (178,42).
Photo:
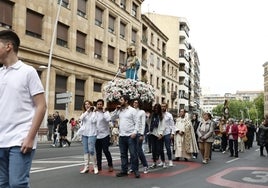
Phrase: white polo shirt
(18,84)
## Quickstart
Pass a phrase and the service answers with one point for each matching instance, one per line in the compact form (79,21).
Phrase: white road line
(54,168)
(232,160)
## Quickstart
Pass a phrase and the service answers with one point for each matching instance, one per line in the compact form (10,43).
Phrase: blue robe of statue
(132,69)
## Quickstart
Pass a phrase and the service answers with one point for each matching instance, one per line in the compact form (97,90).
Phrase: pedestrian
(205,137)
(88,131)
(242,133)
(50,120)
(22,110)
(222,127)
(195,123)
(262,138)
(103,136)
(250,134)
(157,127)
(169,131)
(184,139)
(232,134)
(72,123)
(115,132)
(62,130)
(141,118)
(128,129)
(56,124)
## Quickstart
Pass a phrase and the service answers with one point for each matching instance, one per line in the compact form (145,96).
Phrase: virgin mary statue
(132,64)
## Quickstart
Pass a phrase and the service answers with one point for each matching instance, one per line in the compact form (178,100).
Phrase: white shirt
(141,117)
(127,121)
(89,121)
(103,127)
(168,118)
(18,84)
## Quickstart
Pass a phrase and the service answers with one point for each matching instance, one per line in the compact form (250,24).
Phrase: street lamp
(50,60)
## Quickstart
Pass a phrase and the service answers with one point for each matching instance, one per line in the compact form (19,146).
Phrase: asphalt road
(59,168)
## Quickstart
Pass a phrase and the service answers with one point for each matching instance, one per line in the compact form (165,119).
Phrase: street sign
(63,100)
(63,95)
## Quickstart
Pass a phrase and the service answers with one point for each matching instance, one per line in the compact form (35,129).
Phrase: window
(61,87)
(122,58)
(82,8)
(123,4)
(152,39)
(65,3)
(111,24)
(134,10)
(158,63)
(122,30)
(79,94)
(98,49)
(62,35)
(110,54)
(6,12)
(97,87)
(134,36)
(80,42)
(98,16)
(34,24)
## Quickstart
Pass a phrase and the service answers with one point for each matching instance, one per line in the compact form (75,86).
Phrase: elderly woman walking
(205,136)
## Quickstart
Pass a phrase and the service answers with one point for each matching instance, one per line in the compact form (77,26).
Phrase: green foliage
(239,109)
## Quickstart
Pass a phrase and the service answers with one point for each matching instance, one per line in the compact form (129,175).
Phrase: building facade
(89,44)
(181,51)
(265,78)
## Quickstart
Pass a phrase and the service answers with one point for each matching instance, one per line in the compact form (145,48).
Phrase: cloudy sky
(230,36)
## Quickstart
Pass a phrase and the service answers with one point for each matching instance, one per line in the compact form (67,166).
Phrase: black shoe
(262,155)
(137,175)
(186,159)
(236,156)
(121,174)
(230,155)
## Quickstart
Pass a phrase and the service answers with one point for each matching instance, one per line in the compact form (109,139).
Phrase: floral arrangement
(135,89)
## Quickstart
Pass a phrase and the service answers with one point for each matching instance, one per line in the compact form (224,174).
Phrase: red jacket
(234,131)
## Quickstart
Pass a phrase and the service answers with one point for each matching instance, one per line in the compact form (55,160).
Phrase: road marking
(54,168)
(261,177)
(218,179)
(232,160)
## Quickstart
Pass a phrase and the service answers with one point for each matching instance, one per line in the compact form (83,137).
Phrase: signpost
(64,98)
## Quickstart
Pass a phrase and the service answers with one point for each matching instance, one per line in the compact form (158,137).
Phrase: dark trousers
(103,145)
(233,146)
(126,143)
(157,148)
(262,148)
(223,142)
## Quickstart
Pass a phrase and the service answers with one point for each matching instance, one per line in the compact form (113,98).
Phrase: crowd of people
(130,127)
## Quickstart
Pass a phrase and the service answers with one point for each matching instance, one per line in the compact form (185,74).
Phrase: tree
(239,109)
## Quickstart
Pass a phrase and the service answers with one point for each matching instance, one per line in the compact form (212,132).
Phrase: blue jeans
(127,143)
(167,142)
(15,167)
(140,152)
(103,145)
(89,144)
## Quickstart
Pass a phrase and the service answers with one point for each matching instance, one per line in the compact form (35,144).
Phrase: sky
(230,37)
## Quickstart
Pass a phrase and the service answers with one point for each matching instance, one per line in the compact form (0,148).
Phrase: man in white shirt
(103,136)
(169,131)
(22,110)
(128,129)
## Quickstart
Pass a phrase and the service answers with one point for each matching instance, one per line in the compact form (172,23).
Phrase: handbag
(244,138)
